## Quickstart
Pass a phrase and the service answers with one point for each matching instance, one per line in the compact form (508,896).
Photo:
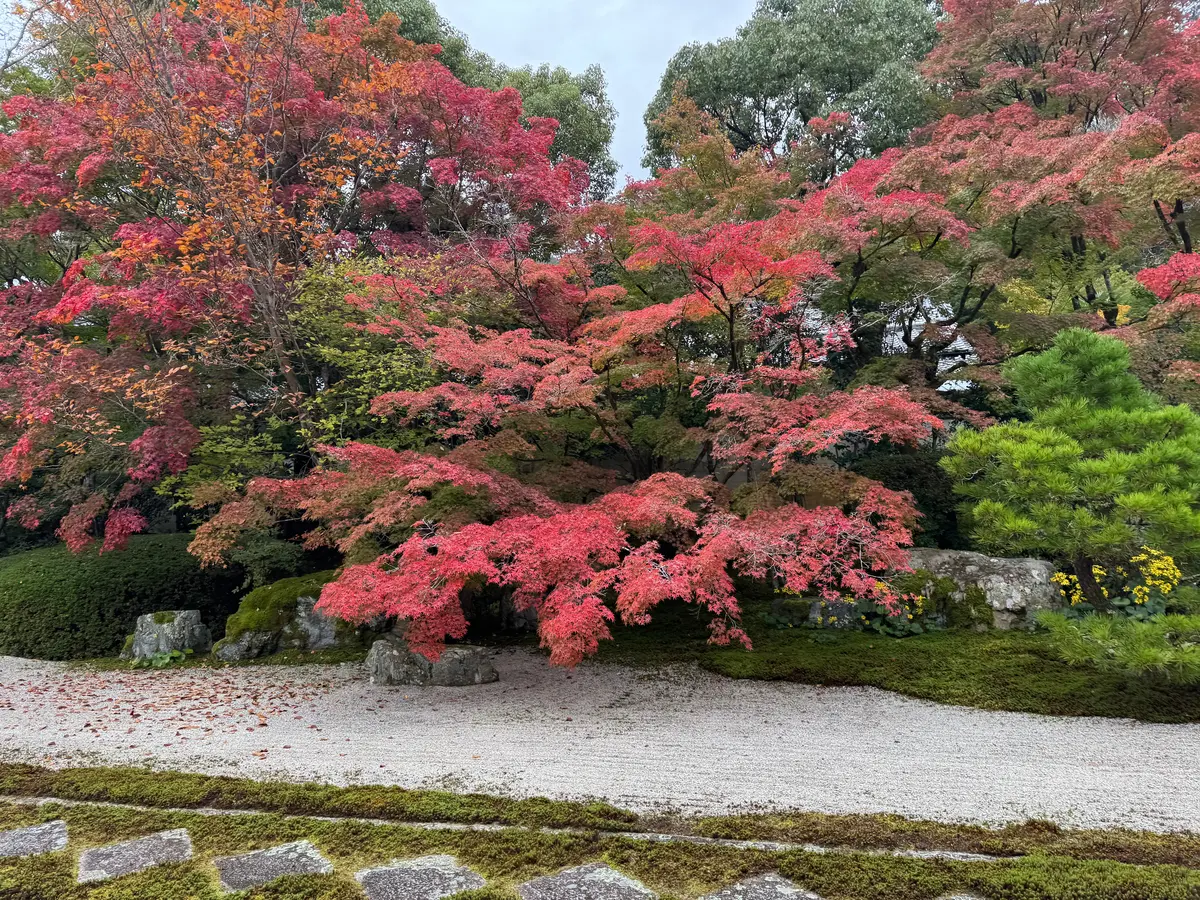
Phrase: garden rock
(102,863)
(1015,589)
(312,629)
(390,661)
(240,873)
(763,887)
(283,616)
(247,645)
(426,878)
(166,632)
(595,881)
(48,838)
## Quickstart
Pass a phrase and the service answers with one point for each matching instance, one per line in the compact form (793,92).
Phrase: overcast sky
(631,39)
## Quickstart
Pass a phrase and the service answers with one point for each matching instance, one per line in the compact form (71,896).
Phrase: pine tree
(1102,467)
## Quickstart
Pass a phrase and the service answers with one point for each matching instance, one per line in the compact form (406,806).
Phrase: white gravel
(679,739)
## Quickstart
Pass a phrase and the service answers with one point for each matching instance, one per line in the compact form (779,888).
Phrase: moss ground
(1003,670)
(166,790)
(508,857)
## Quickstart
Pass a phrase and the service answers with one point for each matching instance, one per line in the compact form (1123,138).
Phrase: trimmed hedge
(55,604)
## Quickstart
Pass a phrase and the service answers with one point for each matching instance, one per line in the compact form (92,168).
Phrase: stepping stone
(101,863)
(594,881)
(35,839)
(239,873)
(763,887)
(426,878)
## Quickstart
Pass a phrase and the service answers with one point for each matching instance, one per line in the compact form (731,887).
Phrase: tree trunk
(1091,589)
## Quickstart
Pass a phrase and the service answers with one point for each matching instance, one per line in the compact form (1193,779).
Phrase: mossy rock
(281,616)
(945,602)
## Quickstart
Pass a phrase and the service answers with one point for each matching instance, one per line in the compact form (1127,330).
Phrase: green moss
(58,605)
(972,611)
(271,607)
(1005,670)
(941,598)
(508,857)
(164,618)
(163,790)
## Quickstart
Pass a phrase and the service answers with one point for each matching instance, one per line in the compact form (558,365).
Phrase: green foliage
(229,455)
(1165,647)
(356,365)
(272,607)
(920,473)
(59,605)
(162,659)
(585,114)
(266,558)
(1102,469)
(796,59)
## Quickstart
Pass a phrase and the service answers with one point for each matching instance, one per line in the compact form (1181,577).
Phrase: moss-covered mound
(280,616)
(273,606)
(55,604)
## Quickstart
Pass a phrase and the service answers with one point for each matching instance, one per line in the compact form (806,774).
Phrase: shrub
(58,605)
(920,473)
(1166,646)
(1101,472)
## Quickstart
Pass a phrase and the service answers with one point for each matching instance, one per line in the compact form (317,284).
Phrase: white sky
(631,39)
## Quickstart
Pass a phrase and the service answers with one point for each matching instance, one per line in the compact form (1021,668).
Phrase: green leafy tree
(795,60)
(1102,468)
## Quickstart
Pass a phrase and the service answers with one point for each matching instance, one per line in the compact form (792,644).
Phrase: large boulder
(390,661)
(165,632)
(283,616)
(1013,590)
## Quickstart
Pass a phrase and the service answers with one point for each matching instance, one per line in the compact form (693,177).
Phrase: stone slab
(425,878)
(239,873)
(594,881)
(763,887)
(48,838)
(127,857)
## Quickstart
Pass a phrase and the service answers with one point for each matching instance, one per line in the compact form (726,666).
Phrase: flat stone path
(239,873)
(678,737)
(127,857)
(425,878)
(594,881)
(36,839)
(763,887)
